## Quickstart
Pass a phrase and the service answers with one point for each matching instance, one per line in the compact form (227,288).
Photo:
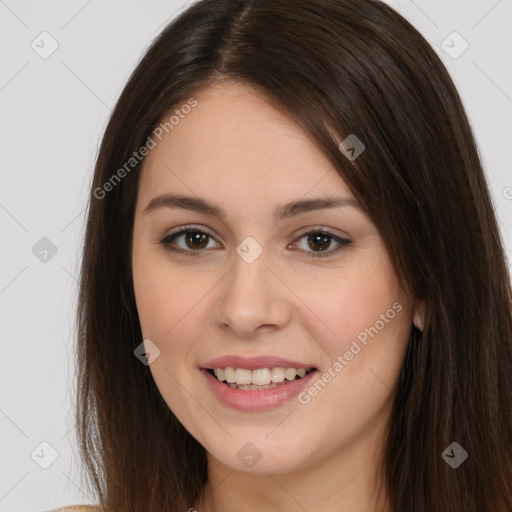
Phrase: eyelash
(166,242)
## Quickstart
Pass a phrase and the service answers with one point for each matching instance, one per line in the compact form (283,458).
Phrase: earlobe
(419,315)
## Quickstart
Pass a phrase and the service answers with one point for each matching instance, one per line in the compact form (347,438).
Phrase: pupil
(195,238)
(320,239)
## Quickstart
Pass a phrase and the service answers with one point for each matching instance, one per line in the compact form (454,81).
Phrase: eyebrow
(281,212)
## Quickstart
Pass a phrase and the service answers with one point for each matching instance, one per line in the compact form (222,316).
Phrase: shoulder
(77,508)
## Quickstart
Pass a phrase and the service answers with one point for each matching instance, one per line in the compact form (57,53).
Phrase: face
(263,291)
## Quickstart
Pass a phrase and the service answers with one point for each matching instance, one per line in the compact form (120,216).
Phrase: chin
(257,454)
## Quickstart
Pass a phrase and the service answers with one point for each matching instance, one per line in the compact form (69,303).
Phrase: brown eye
(189,242)
(319,243)
(196,239)
(192,242)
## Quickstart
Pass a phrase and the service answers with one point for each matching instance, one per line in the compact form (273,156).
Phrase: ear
(419,315)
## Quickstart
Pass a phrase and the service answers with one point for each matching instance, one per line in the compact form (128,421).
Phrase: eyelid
(302,232)
(190,227)
(181,230)
(323,229)
(340,240)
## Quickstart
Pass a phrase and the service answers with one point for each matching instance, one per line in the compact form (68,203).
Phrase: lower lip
(256,400)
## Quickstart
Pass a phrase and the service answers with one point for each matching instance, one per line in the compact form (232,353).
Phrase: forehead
(234,145)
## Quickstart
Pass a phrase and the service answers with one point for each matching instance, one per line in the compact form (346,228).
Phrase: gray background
(53,113)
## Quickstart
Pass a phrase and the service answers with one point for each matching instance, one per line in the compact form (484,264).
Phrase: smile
(257,397)
(261,378)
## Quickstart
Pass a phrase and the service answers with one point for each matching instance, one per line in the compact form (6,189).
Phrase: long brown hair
(337,67)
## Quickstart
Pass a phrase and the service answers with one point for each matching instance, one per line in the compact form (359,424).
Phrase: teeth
(290,373)
(277,374)
(262,378)
(250,386)
(243,376)
(229,374)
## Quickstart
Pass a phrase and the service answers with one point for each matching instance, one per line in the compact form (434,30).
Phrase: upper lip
(253,363)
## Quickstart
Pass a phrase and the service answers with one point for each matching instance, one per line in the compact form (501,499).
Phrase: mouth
(256,383)
(259,379)
(257,389)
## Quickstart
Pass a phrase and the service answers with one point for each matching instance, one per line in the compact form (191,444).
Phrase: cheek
(168,303)
(165,297)
(363,357)
(351,301)
(362,325)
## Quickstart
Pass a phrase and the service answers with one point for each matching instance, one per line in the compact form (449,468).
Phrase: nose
(252,299)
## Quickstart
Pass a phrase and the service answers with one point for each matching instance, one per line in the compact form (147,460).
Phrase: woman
(293,294)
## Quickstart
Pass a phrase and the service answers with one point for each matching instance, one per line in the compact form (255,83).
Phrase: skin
(238,151)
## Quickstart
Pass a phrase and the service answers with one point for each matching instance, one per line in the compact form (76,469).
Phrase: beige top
(77,508)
